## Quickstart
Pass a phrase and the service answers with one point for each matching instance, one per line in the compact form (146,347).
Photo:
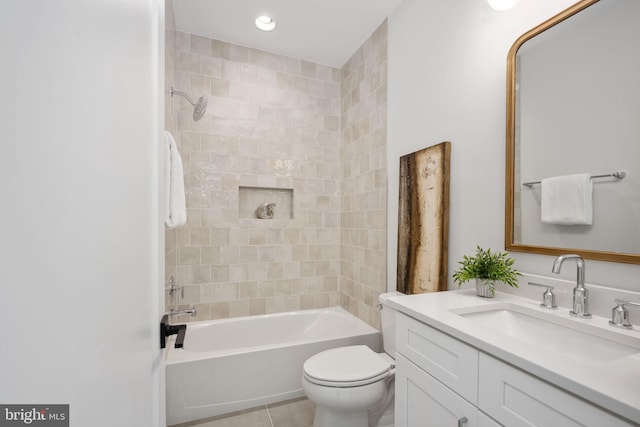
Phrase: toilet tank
(388,320)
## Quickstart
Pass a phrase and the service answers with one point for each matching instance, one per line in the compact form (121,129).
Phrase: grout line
(269,415)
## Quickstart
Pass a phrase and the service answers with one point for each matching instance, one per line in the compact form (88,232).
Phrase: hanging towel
(176,208)
(567,200)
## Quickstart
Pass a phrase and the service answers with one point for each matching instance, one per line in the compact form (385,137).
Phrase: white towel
(176,208)
(567,200)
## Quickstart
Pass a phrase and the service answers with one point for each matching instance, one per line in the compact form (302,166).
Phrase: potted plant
(487,268)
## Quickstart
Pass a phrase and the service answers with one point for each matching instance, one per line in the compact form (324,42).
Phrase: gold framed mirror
(572,92)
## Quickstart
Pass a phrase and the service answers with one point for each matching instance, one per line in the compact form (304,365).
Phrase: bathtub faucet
(191,311)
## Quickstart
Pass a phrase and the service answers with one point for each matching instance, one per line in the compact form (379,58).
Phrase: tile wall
(170,119)
(275,122)
(364,177)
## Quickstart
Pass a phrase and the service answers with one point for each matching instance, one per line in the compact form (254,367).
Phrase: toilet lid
(346,367)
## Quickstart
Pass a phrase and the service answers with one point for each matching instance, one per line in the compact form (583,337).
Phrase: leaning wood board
(423,220)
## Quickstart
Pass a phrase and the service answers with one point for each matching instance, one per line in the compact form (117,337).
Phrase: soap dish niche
(265,203)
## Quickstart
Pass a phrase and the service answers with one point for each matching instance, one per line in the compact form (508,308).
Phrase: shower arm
(199,107)
(182,94)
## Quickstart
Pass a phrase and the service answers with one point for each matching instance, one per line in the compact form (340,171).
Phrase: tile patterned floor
(292,413)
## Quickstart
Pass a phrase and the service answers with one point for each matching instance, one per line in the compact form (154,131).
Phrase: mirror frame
(509,244)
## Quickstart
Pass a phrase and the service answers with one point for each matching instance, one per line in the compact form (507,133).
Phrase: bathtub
(239,363)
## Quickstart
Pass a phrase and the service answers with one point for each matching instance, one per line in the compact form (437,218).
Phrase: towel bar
(618,175)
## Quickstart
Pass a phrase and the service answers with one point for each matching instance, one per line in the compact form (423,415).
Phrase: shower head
(199,108)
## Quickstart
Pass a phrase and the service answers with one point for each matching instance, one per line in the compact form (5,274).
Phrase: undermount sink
(548,331)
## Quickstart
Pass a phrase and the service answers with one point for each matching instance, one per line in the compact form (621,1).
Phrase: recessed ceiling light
(265,23)
(502,4)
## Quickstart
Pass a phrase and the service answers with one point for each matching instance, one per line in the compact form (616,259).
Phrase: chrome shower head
(199,108)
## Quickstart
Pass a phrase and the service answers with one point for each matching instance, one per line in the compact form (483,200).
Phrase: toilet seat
(344,367)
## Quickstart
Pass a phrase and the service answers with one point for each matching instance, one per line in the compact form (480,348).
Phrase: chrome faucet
(580,293)
(191,311)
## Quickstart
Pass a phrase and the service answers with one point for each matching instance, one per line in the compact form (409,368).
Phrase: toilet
(353,386)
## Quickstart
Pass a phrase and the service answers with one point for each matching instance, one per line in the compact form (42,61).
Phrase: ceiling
(326,32)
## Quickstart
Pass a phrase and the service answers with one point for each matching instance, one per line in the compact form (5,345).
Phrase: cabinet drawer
(515,398)
(452,362)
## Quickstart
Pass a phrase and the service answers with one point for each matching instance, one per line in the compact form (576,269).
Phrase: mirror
(573,107)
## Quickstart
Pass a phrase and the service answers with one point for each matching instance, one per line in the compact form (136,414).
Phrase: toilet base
(383,414)
(325,417)
(366,406)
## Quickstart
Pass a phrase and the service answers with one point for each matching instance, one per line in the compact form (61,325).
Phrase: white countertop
(614,385)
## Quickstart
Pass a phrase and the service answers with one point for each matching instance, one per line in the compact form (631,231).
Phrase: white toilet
(353,386)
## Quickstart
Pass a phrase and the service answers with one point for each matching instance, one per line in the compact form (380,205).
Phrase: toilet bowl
(353,386)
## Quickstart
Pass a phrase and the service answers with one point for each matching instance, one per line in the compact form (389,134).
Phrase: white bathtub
(233,364)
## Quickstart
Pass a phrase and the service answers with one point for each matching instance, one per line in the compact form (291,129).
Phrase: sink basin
(549,331)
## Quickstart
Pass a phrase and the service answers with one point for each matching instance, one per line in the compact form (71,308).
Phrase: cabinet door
(485,421)
(423,401)
(516,398)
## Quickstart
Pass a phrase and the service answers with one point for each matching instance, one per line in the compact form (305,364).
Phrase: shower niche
(265,203)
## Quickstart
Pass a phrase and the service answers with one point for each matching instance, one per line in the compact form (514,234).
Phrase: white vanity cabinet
(436,379)
(516,398)
(423,401)
(442,381)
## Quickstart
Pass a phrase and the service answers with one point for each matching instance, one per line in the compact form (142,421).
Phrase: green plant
(490,266)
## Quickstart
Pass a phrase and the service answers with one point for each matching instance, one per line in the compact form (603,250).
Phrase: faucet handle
(173,286)
(548,297)
(620,314)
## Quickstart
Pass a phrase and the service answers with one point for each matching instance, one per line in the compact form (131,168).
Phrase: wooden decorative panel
(423,220)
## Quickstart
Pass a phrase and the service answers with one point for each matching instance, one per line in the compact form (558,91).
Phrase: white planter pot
(484,288)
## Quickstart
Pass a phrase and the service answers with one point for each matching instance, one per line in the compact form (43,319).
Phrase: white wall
(79,260)
(447,81)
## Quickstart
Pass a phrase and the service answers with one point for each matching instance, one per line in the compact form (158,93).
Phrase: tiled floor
(292,413)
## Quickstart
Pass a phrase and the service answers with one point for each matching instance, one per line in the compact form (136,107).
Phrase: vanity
(469,361)
(509,361)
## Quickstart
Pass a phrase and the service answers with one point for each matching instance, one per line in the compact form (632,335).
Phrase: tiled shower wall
(278,123)
(364,178)
(170,119)
(272,123)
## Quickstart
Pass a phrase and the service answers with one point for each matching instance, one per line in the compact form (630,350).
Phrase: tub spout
(191,311)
